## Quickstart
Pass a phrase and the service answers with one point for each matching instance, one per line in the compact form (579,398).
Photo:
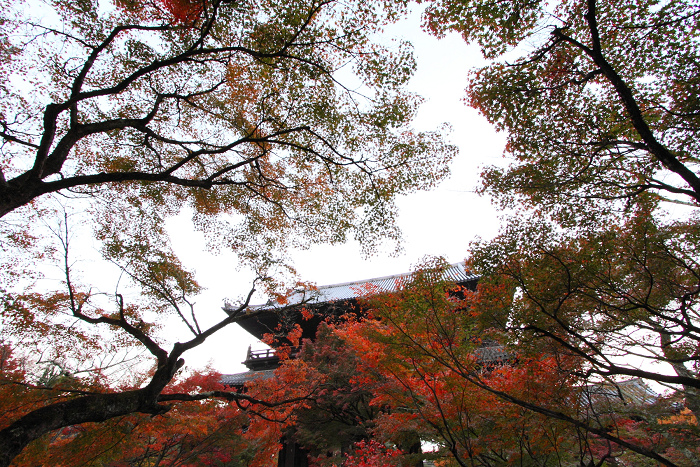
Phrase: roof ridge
(352,290)
(382,278)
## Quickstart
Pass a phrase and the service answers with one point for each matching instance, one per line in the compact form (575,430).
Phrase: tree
(599,102)
(41,405)
(203,433)
(430,363)
(426,339)
(526,401)
(601,121)
(598,98)
(372,454)
(341,414)
(405,372)
(132,111)
(620,300)
(338,424)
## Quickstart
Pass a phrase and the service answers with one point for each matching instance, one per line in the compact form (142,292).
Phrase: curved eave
(331,300)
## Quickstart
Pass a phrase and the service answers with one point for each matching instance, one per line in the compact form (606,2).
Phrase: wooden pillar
(292,455)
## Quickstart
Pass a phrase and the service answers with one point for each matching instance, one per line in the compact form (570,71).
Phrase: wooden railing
(268,354)
(260,354)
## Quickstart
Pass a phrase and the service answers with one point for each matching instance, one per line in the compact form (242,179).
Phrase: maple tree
(336,425)
(492,395)
(274,124)
(620,299)
(600,259)
(371,454)
(597,97)
(379,393)
(68,371)
(425,339)
(204,432)
(341,414)
(431,363)
(628,291)
(593,281)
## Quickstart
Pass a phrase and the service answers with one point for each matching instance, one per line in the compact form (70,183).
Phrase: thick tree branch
(557,415)
(595,53)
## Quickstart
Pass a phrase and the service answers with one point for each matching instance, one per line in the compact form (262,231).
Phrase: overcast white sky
(441,222)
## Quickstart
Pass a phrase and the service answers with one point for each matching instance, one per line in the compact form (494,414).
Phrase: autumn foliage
(117,116)
(193,433)
(396,378)
(184,11)
(429,364)
(597,259)
(371,454)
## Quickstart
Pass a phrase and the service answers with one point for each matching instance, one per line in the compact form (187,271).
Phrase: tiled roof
(492,354)
(632,391)
(349,290)
(239,379)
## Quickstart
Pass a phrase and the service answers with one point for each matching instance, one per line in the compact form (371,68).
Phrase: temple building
(325,302)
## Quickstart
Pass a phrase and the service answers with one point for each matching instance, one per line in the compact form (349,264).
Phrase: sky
(440,222)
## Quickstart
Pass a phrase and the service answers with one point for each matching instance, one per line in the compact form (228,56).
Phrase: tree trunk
(92,408)
(692,395)
(86,409)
